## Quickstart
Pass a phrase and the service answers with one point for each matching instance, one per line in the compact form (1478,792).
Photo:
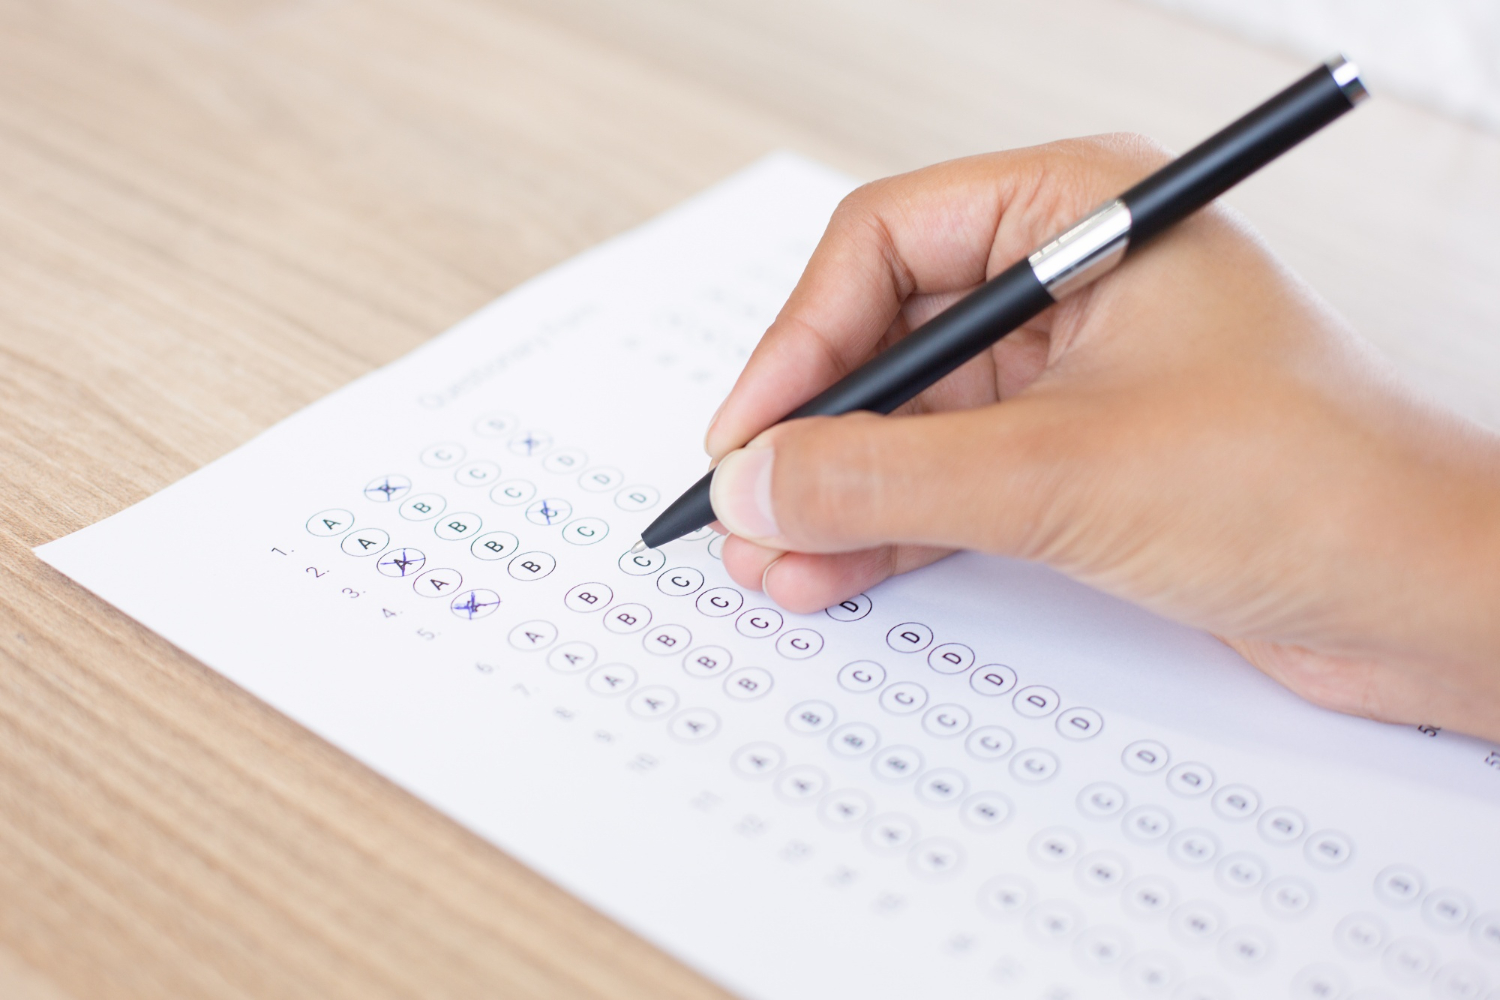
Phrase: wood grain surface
(212,213)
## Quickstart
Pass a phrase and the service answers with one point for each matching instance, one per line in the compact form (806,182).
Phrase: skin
(1197,432)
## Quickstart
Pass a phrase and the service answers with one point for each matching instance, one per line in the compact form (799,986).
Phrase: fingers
(746,563)
(986,479)
(805,583)
(895,248)
(930,232)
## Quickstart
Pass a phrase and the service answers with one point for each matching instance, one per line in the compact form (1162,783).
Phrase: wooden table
(214,212)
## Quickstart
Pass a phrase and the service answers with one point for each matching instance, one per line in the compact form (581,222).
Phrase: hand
(1197,432)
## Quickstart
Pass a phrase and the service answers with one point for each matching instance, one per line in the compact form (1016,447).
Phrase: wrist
(1477,581)
(1446,615)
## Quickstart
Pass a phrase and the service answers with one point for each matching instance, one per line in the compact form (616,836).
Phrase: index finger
(935,232)
(930,231)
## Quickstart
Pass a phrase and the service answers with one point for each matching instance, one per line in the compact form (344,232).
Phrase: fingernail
(741,492)
(709,433)
(765,575)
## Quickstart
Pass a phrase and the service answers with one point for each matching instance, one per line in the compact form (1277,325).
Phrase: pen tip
(638,547)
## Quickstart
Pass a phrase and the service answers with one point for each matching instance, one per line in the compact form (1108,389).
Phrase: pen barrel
(939,346)
(1070,261)
(1228,157)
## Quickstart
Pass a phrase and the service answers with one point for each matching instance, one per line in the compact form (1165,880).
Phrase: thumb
(979,479)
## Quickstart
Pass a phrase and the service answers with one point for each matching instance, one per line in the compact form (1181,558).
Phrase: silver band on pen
(1084,253)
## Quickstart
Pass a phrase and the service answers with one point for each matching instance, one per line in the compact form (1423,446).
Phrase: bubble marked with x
(404,560)
(472,606)
(387,489)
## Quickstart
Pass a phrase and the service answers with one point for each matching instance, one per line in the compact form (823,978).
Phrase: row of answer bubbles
(533,443)
(495,545)
(1286,898)
(467,524)
(907,697)
(744,684)
(717,602)
(991,680)
(853,809)
(655,701)
(507,492)
(406,562)
(815,717)
(1367,936)
(599,479)
(1059,923)
(1281,825)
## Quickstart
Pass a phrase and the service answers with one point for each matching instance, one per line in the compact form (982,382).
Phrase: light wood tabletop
(213,212)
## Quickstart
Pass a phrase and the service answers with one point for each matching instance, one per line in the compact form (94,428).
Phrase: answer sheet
(977,780)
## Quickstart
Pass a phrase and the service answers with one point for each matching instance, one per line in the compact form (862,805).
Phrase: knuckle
(1134,148)
(1079,173)
(856,206)
(1117,152)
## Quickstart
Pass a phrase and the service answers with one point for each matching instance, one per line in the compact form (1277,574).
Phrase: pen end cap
(1346,75)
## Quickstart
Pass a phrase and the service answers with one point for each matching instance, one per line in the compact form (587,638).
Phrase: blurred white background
(1442,53)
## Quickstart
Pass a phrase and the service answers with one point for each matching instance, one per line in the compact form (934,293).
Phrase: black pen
(1082,254)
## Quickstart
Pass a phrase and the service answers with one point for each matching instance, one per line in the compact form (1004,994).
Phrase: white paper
(866,862)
